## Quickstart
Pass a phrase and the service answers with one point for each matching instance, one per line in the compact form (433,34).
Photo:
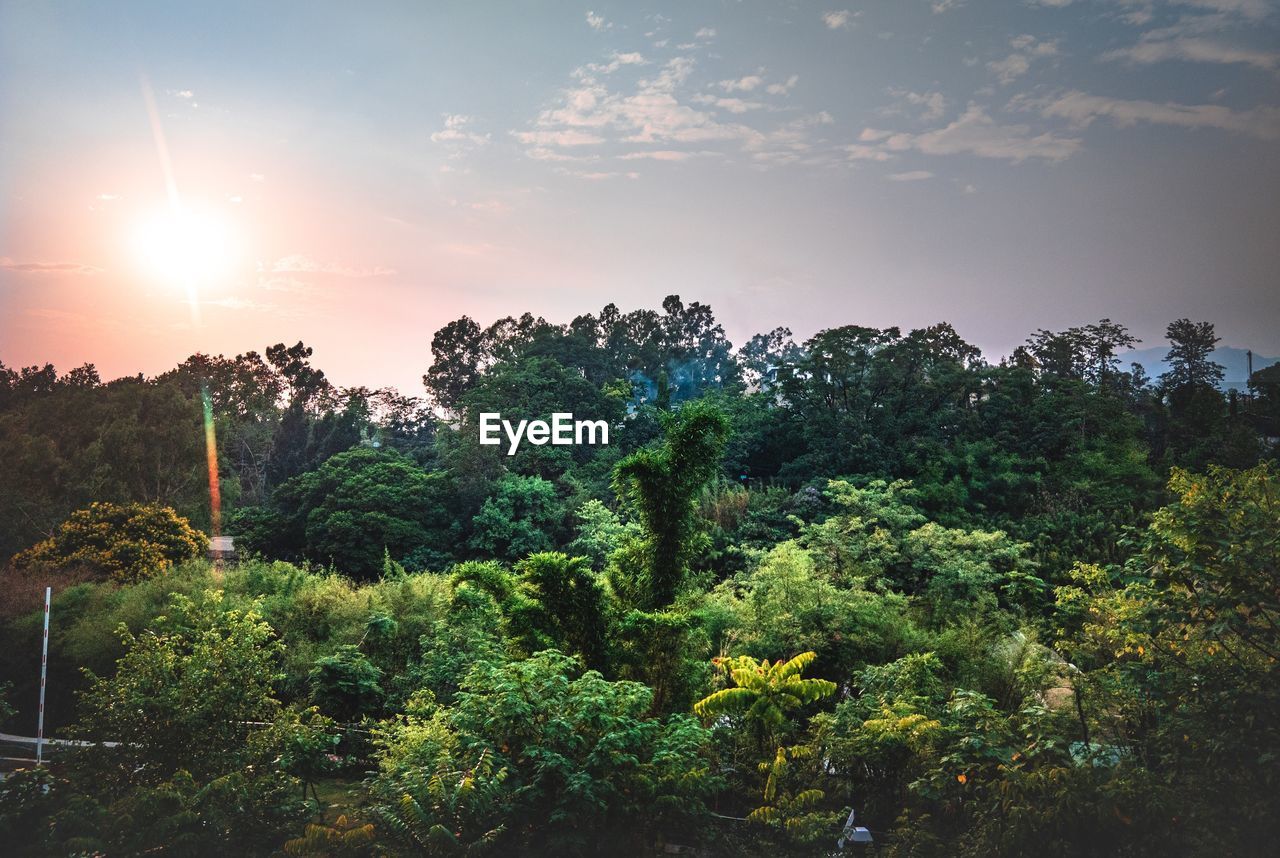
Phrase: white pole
(44,671)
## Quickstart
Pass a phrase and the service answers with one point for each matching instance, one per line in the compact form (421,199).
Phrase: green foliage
(523,516)
(1032,657)
(345,838)
(585,769)
(876,537)
(345,684)
(126,542)
(184,689)
(351,511)
(795,811)
(763,693)
(453,812)
(565,605)
(661,483)
(785,605)
(600,533)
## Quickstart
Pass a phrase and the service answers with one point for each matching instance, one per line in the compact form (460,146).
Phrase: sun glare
(186,248)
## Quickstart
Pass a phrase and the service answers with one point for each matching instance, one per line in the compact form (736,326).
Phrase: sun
(186,247)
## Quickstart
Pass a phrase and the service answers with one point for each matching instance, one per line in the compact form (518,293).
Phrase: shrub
(128,542)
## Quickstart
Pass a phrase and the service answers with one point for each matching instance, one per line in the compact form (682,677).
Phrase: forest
(868,579)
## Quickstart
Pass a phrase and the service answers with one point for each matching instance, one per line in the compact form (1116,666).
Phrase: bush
(128,542)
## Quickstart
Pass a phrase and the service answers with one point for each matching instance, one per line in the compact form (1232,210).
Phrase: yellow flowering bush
(129,542)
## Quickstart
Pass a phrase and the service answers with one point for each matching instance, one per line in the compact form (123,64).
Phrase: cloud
(651,114)
(862,152)
(657,155)
(663,110)
(283,284)
(597,22)
(933,104)
(455,131)
(1081,109)
(940,6)
(564,137)
(236,303)
(742,84)
(976,133)
(1015,65)
(910,176)
(297,263)
(783,88)
(841,20)
(1252,9)
(8,264)
(618,61)
(733,105)
(497,207)
(600,176)
(1193,49)
(705,33)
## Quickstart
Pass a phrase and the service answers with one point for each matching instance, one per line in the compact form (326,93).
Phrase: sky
(181,178)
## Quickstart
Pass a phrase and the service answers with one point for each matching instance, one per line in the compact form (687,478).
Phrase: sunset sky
(357,175)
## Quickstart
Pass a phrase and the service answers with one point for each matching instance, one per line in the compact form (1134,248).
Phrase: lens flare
(211,458)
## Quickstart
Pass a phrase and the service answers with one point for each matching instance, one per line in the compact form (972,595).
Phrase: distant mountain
(1234,361)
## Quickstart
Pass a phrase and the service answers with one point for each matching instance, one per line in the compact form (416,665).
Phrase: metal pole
(44,672)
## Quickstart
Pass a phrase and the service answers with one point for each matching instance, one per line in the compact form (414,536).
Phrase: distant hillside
(1233,360)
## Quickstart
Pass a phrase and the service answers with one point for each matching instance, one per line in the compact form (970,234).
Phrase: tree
(346,684)
(352,510)
(127,542)
(458,352)
(587,771)
(661,484)
(1191,346)
(566,604)
(186,692)
(522,517)
(764,692)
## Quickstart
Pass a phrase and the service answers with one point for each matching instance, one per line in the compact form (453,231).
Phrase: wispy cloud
(929,105)
(910,176)
(301,264)
(455,131)
(8,264)
(1082,109)
(840,20)
(668,111)
(976,133)
(1195,50)
(618,60)
(234,302)
(1201,38)
(597,22)
(1252,9)
(863,152)
(563,137)
(732,105)
(658,155)
(742,84)
(783,88)
(1027,49)
(602,175)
